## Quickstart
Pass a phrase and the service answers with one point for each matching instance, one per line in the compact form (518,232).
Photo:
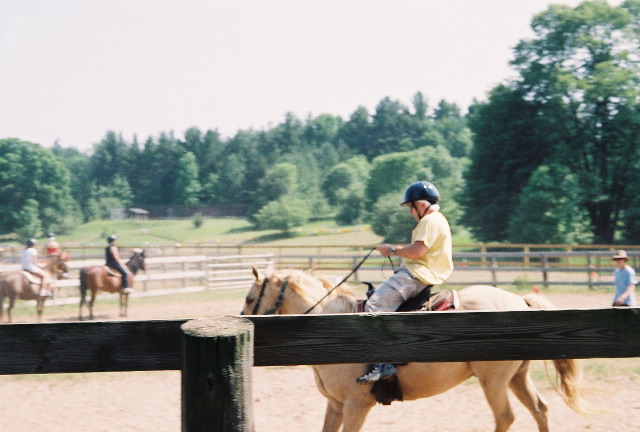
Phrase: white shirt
(27,260)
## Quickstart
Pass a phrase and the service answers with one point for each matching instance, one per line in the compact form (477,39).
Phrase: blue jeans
(124,273)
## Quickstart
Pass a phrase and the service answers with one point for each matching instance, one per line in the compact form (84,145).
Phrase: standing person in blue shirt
(624,281)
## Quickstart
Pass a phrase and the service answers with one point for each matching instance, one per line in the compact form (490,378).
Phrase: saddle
(389,390)
(111,271)
(424,301)
(35,282)
(33,279)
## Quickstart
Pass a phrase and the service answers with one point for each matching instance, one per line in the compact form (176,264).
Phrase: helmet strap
(420,216)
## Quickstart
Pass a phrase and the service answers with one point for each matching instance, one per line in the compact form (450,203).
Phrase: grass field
(215,230)
(218,230)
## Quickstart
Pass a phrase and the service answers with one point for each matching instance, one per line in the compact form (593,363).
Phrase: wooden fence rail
(320,339)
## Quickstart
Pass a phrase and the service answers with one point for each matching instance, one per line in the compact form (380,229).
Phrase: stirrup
(377,372)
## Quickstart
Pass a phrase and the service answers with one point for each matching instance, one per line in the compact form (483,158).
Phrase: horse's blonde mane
(303,283)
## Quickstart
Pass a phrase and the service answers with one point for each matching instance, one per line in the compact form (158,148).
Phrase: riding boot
(377,372)
(44,292)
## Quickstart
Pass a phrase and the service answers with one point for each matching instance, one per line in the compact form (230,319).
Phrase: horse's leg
(494,378)
(354,413)
(333,416)
(93,299)
(12,302)
(123,310)
(40,308)
(525,390)
(1,308)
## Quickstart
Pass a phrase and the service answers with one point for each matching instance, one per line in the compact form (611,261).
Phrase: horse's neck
(336,302)
(132,265)
(50,266)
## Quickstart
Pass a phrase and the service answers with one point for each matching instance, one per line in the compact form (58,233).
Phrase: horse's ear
(256,273)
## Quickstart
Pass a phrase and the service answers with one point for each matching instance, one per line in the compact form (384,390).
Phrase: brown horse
(348,403)
(21,285)
(102,278)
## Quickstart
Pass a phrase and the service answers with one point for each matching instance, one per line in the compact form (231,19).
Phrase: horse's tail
(569,384)
(83,285)
(536,301)
(569,371)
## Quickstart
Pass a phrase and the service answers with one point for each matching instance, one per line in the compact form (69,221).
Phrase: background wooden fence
(171,274)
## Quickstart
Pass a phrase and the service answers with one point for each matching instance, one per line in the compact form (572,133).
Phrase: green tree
(211,189)
(356,133)
(283,214)
(392,173)
(391,221)
(510,143)
(280,180)
(187,188)
(580,70)
(78,164)
(232,181)
(28,220)
(110,157)
(548,210)
(447,174)
(452,127)
(31,174)
(342,176)
(103,200)
(206,148)
(344,188)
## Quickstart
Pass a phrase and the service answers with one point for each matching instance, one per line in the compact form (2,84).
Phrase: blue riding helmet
(421,191)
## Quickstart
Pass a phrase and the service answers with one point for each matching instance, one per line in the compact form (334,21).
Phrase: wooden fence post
(545,271)
(494,268)
(591,271)
(216,375)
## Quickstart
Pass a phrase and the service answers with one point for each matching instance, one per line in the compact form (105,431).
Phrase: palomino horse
(17,285)
(101,278)
(348,402)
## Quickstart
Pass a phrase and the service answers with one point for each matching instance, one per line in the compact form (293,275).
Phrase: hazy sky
(70,70)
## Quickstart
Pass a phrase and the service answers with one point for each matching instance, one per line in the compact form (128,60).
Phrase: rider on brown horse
(114,261)
(29,262)
(51,247)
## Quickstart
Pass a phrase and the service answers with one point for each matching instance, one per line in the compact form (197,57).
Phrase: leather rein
(283,287)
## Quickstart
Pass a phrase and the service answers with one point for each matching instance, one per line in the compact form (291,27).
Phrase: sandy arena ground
(285,398)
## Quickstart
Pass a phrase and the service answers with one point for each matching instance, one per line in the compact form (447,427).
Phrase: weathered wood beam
(320,339)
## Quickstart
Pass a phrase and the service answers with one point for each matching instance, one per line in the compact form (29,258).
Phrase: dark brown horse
(21,285)
(102,278)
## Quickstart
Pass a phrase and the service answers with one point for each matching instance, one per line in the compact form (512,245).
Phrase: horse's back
(101,278)
(485,297)
(15,284)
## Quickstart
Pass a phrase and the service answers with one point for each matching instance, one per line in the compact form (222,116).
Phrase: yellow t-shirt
(436,265)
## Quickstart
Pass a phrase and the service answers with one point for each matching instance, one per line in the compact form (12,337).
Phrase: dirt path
(285,398)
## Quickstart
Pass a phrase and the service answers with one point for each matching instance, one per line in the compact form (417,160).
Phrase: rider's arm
(34,259)
(115,254)
(415,250)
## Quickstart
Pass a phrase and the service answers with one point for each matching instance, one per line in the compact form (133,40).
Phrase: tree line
(550,157)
